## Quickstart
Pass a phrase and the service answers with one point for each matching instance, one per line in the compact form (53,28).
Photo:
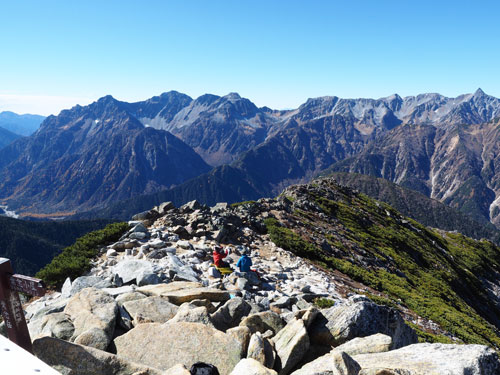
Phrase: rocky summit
(152,302)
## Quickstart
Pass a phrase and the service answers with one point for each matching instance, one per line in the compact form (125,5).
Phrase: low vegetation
(75,260)
(438,276)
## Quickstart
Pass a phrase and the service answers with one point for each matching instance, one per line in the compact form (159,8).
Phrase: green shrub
(237,204)
(75,260)
(323,303)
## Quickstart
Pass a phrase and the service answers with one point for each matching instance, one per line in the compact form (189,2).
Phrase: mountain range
(23,125)
(91,157)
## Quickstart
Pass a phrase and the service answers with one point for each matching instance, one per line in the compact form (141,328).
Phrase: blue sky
(55,54)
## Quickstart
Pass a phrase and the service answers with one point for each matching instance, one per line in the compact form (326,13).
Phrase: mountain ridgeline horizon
(225,148)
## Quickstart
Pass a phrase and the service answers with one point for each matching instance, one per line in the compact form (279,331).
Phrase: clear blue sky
(277,53)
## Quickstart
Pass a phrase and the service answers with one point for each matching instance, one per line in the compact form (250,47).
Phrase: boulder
(190,206)
(150,310)
(230,314)
(333,363)
(83,282)
(115,292)
(377,343)
(147,278)
(186,295)
(129,270)
(66,288)
(263,321)
(91,311)
(164,207)
(193,314)
(151,345)
(359,317)
(131,296)
(291,344)
(432,359)
(147,216)
(180,271)
(74,359)
(249,366)
(57,325)
(242,335)
(160,289)
(177,370)
(261,350)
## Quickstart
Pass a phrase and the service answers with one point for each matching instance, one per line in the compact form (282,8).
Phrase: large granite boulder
(150,310)
(333,363)
(291,344)
(179,292)
(261,350)
(165,345)
(130,269)
(230,314)
(377,343)
(432,359)
(193,314)
(249,366)
(359,317)
(83,282)
(263,321)
(93,313)
(158,290)
(74,359)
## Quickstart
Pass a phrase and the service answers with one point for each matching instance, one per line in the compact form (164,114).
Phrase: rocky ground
(150,306)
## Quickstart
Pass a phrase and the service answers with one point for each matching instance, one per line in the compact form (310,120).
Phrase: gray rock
(115,292)
(230,314)
(191,206)
(150,310)
(129,270)
(263,321)
(139,228)
(242,336)
(132,296)
(181,271)
(93,310)
(58,325)
(432,359)
(261,350)
(184,245)
(377,343)
(333,363)
(147,216)
(164,207)
(66,288)
(359,317)
(147,279)
(291,344)
(83,282)
(249,366)
(192,314)
(137,235)
(151,345)
(73,359)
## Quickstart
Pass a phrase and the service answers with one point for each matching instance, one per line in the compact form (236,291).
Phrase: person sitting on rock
(244,263)
(220,254)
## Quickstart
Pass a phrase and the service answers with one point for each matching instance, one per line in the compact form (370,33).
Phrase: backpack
(200,368)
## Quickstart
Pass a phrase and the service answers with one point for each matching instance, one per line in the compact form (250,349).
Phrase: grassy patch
(435,276)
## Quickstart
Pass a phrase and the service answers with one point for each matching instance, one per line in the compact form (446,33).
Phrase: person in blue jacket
(244,263)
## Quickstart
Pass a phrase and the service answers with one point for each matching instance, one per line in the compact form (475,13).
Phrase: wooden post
(10,304)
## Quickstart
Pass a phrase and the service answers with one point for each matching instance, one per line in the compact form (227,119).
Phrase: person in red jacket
(218,255)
